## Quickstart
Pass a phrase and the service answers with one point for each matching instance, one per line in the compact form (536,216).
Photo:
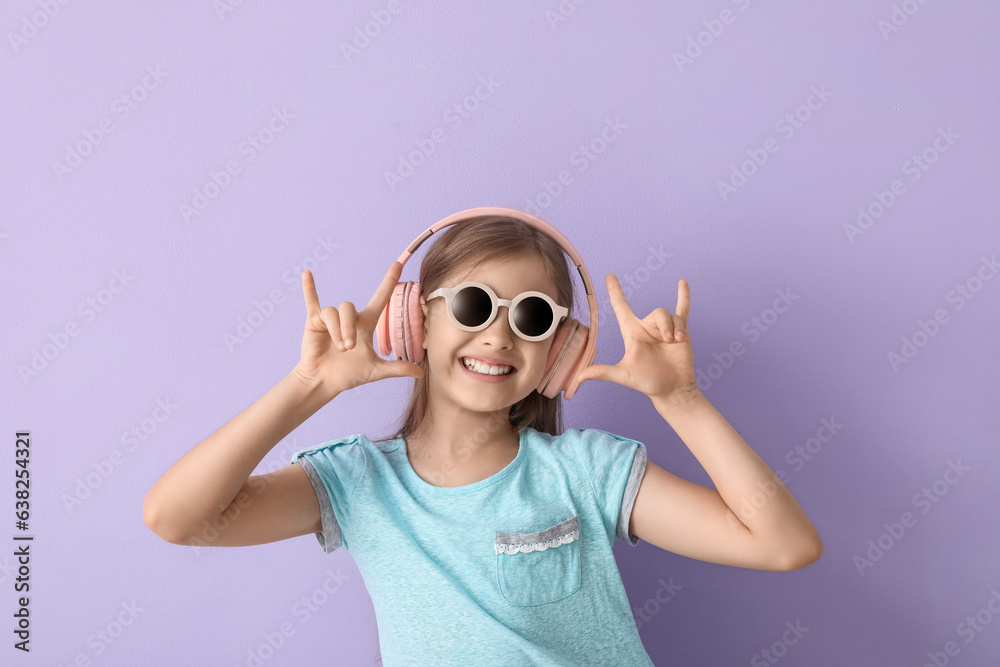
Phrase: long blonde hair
(465,245)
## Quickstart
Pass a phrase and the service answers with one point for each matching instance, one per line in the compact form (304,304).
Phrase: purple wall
(743,140)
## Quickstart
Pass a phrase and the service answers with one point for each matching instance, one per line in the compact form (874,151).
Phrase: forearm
(204,482)
(747,485)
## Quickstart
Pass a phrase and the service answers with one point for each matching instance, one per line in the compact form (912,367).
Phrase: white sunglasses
(472,306)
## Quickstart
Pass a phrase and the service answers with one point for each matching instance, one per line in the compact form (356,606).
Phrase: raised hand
(658,360)
(337,351)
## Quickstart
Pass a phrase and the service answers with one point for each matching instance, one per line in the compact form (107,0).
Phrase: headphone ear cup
(382,338)
(564,356)
(388,330)
(412,344)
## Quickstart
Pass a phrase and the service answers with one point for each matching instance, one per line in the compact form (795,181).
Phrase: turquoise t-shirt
(516,569)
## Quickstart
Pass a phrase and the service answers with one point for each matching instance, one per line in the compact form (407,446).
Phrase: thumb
(594,372)
(402,368)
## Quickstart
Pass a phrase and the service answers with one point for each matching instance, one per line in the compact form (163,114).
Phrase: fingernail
(348,342)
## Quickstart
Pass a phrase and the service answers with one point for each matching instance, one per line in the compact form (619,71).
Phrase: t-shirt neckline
(427,487)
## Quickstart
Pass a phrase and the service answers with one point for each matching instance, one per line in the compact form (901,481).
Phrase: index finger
(618,301)
(683,300)
(384,291)
(309,290)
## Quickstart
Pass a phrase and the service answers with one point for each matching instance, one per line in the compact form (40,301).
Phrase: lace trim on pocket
(561,533)
(538,546)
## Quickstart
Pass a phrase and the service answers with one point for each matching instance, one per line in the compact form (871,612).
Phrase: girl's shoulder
(357,439)
(349,451)
(597,448)
(587,436)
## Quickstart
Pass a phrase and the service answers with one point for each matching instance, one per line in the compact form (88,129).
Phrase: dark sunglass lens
(472,306)
(533,316)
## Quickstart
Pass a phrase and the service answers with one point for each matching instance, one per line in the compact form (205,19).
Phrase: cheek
(442,341)
(538,359)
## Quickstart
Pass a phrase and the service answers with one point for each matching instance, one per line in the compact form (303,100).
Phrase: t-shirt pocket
(541,567)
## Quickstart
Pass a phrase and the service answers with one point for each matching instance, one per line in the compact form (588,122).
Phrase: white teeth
(486,369)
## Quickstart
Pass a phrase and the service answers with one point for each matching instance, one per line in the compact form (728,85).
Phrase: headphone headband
(590,352)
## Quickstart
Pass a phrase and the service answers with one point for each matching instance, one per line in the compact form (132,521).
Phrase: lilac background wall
(890,333)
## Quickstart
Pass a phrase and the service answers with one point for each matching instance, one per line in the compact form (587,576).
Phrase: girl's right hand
(337,350)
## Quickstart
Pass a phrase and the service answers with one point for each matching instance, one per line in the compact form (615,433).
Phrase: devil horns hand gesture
(659,360)
(337,349)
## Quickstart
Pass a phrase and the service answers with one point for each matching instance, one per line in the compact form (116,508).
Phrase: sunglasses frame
(559,312)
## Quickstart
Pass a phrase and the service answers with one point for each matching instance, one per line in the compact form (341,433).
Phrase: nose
(499,331)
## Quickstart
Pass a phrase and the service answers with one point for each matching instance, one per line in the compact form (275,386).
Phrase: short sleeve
(615,465)
(334,469)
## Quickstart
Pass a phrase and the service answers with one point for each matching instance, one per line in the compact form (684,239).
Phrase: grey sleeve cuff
(628,498)
(329,538)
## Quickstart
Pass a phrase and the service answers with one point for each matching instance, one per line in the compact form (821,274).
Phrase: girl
(484,530)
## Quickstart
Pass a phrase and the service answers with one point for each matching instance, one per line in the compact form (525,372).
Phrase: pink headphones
(400,327)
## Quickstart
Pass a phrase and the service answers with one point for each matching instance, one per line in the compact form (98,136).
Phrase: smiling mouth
(472,367)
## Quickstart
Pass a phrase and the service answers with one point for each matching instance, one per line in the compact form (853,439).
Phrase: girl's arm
(749,520)
(337,355)
(205,481)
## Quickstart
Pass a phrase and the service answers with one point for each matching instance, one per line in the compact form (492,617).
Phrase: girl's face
(447,346)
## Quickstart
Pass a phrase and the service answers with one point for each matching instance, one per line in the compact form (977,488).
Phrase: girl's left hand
(659,360)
